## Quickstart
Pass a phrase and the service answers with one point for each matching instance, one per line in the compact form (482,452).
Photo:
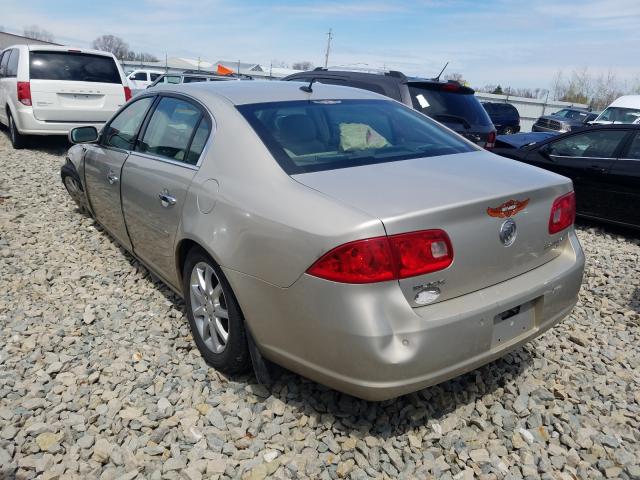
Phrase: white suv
(48,90)
(141,79)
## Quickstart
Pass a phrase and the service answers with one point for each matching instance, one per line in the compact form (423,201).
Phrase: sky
(508,42)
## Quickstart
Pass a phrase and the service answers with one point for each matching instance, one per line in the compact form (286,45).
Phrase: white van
(625,109)
(48,90)
(141,79)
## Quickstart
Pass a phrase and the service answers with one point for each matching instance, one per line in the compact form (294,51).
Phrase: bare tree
(278,63)
(456,77)
(112,44)
(37,33)
(304,65)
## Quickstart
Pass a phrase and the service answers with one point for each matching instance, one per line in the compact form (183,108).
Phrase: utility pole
(326,55)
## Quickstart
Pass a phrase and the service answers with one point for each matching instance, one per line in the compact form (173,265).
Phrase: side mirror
(83,135)
(545,151)
(132,77)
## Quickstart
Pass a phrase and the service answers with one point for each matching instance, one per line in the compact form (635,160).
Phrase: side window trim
(145,124)
(151,107)
(627,143)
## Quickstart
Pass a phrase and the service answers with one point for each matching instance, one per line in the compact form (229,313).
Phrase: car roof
(632,101)
(54,48)
(264,91)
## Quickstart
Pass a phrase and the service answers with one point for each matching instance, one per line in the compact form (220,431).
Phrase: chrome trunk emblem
(508,232)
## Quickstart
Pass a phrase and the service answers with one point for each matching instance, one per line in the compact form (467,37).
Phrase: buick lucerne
(332,230)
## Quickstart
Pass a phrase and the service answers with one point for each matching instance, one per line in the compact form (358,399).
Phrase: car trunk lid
(470,196)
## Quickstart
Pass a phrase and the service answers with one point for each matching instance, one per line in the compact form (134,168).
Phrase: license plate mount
(512,323)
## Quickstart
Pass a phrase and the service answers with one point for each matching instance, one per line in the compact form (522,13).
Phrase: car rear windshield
(73,66)
(451,107)
(316,135)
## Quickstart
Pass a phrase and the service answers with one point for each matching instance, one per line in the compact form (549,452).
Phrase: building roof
(7,39)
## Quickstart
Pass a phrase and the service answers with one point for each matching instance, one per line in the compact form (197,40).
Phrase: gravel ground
(99,377)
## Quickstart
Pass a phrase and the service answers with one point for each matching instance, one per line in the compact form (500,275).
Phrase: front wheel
(18,140)
(72,183)
(214,315)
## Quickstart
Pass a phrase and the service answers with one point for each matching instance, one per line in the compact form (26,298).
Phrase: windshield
(450,107)
(571,114)
(79,67)
(309,136)
(619,115)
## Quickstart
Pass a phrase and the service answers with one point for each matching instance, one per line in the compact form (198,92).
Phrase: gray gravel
(99,377)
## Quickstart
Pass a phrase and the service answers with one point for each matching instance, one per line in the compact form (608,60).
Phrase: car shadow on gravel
(53,145)
(398,416)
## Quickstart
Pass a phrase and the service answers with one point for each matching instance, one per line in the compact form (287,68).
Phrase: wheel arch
(183,247)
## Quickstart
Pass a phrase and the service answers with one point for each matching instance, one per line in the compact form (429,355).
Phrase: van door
(75,87)
(4,85)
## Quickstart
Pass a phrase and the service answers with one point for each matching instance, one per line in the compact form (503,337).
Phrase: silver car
(331,230)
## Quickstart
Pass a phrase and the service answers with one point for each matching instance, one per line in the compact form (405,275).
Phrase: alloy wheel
(209,307)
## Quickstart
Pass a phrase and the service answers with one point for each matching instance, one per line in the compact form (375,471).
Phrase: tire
(208,299)
(18,140)
(508,131)
(71,181)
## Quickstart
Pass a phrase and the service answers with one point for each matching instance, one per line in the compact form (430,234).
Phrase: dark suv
(449,103)
(504,116)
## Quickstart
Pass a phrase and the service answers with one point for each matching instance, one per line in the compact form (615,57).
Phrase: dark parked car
(564,120)
(450,103)
(603,162)
(504,116)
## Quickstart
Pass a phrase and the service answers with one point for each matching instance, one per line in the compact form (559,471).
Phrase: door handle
(597,169)
(166,200)
(112,178)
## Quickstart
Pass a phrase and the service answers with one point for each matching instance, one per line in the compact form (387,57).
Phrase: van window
(4,59)
(12,64)
(154,76)
(140,76)
(79,67)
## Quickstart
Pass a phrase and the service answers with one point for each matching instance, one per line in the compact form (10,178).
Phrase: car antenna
(307,88)
(437,79)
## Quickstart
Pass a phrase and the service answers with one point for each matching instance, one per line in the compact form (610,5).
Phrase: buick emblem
(508,232)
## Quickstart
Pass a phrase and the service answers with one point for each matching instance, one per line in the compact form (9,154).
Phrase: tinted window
(634,150)
(449,107)
(328,134)
(194,79)
(141,76)
(3,63)
(80,67)
(12,64)
(170,79)
(121,132)
(154,76)
(199,140)
(593,144)
(170,129)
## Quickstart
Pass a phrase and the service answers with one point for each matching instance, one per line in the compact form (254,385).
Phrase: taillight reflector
(386,258)
(491,140)
(24,93)
(563,213)
(127,94)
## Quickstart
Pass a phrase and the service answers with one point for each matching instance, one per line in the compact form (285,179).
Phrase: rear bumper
(367,341)
(28,124)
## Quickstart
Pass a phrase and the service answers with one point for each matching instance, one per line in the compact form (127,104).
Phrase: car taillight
(127,94)
(563,213)
(491,140)
(24,93)
(386,258)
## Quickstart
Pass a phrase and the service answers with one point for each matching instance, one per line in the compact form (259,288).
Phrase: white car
(140,79)
(48,90)
(625,109)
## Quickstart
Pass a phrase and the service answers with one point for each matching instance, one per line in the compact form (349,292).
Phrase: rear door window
(12,64)
(3,63)
(73,66)
(170,129)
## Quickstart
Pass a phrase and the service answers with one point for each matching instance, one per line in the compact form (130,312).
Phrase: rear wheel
(508,131)
(214,315)
(17,139)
